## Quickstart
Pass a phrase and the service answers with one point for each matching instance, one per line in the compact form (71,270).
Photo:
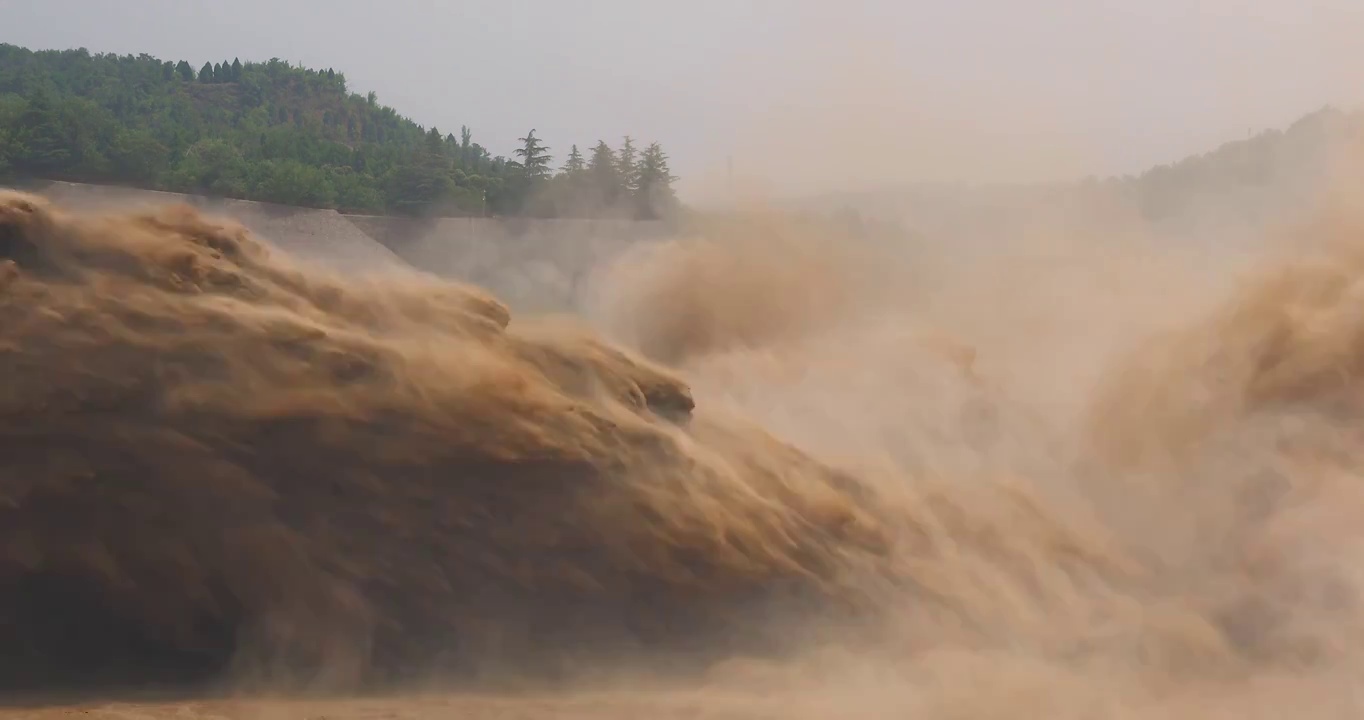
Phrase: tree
(603,172)
(417,188)
(654,196)
(5,166)
(629,172)
(534,157)
(214,166)
(38,144)
(138,156)
(423,184)
(575,164)
(89,117)
(435,147)
(294,183)
(355,192)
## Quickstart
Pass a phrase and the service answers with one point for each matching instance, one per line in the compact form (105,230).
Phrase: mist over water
(1118,459)
(1069,460)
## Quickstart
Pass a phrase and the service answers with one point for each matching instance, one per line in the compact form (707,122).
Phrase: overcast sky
(804,94)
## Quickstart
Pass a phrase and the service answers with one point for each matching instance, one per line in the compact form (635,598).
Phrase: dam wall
(530,263)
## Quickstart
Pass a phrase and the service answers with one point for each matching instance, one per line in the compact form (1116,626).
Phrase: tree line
(276,132)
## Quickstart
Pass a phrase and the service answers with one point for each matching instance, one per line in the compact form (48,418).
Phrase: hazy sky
(805,94)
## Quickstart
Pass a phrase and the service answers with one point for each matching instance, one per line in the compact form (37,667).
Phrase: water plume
(760,451)
(216,460)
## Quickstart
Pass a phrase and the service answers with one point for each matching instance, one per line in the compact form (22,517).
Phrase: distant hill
(279,133)
(1263,175)
(1239,185)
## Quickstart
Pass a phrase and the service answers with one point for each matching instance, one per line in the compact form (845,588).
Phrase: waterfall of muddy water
(767,475)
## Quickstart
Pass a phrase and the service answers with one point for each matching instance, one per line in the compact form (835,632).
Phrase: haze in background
(804,95)
(1113,470)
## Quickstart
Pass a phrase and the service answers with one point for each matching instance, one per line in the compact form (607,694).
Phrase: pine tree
(292,135)
(603,173)
(435,144)
(654,196)
(41,145)
(626,165)
(425,180)
(534,156)
(575,164)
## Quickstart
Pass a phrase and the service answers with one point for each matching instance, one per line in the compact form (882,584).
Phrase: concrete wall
(323,237)
(532,264)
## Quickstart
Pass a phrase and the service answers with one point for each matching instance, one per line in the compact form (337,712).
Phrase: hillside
(1242,184)
(279,133)
(1269,172)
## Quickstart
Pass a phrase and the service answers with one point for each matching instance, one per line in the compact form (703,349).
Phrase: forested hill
(1241,186)
(274,132)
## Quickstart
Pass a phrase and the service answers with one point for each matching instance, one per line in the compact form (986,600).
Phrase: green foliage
(137,155)
(654,196)
(275,132)
(534,157)
(604,182)
(626,165)
(575,164)
(4,153)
